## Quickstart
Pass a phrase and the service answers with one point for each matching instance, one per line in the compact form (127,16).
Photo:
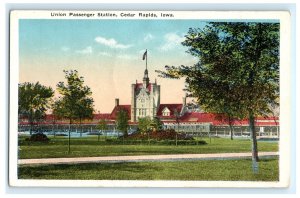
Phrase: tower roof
(139,86)
(146,78)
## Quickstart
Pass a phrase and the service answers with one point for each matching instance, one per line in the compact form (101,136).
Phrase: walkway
(143,158)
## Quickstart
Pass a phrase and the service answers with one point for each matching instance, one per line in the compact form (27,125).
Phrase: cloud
(127,57)
(172,40)
(64,48)
(87,50)
(104,54)
(148,37)
(112,43)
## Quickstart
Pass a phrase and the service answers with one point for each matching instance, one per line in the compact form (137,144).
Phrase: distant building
(145,99)
(188,118)
(145,102)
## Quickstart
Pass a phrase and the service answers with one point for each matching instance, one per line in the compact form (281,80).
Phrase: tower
(145,97)
(146,78)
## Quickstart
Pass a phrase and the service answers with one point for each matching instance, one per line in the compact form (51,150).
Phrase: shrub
(154,142)
(38,137)
(160,135)
(61,134)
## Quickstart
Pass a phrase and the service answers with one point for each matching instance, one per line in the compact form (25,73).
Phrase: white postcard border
(285,97)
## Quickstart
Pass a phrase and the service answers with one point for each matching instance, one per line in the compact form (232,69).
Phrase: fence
(223,131)
(196,130)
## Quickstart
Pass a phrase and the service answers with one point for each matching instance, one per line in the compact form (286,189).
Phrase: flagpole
(146,58)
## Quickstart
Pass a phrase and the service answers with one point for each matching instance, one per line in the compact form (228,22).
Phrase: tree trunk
(31,123)
(230,127)
(231,132)
(69,142)
(80,127)
(176,133)
(148,137)
(30,129)
(253,138)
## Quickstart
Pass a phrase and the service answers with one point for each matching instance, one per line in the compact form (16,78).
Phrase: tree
(238,70)
(76,102)
(156,124)
(102,126)
(34,100)
(122,122)
(144,124)
(85,110)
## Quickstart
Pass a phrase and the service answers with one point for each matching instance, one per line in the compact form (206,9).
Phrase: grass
(90,147)
(213,170)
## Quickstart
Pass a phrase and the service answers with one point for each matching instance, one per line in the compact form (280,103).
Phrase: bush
(60,134)
(38,137)
(159,135)
(154,142)
(167,137)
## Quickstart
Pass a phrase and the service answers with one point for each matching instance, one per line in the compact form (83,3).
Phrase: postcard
(149,98)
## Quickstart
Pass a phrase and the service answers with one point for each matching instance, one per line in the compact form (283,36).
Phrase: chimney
(117,102)
(184,101)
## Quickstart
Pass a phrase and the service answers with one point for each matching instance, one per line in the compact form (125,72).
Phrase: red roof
(171,107)
(188,117)
(100,116)
(49,117)
(219,119)
(140,86)
(127,108)
(198,117)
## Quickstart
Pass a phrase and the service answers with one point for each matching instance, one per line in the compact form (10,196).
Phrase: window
(166,112)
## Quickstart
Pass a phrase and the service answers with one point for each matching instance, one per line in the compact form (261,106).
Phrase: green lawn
(90,147)
(216,170)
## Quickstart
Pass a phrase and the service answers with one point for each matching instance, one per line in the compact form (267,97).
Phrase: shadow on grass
(185,170)
(69,171)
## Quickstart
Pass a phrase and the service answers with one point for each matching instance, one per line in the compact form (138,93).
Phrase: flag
(145,55)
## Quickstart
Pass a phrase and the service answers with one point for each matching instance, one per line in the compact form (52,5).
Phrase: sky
(107,53)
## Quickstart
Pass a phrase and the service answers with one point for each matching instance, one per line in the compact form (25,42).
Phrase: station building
(145,102)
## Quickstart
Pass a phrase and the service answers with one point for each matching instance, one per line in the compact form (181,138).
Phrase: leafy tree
(34,100)
(85,110)
(238,70)
(156,124)
(122,121)
(76,102)
(102,126)
(144,124)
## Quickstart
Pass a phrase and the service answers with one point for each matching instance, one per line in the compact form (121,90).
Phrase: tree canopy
(156,124)
(144,124)
(102,125)
(237,72)
(122,121)
(34,100)
(75,101)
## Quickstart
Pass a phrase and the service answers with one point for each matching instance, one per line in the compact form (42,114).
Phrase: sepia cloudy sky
(107,53)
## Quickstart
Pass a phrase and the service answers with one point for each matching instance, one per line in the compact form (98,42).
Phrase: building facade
(145,99)
(145,102)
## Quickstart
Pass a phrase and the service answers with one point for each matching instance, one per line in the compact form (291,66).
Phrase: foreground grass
(213,170)
(90,147)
